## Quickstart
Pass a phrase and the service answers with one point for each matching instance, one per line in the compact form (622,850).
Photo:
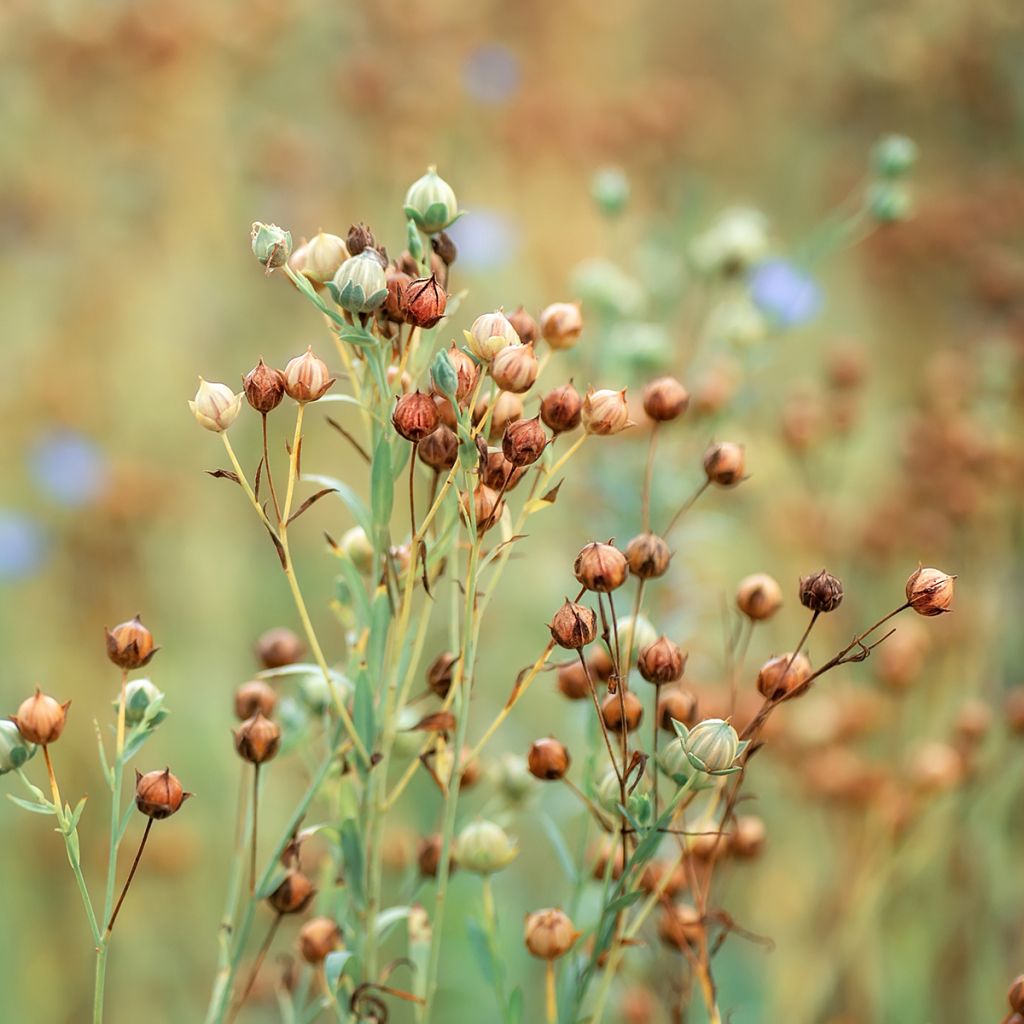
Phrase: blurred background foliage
(140,141)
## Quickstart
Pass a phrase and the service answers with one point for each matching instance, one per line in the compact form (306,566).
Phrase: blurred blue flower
(22,545)
(786,295)
(491,74)
(68,467)
(486,240)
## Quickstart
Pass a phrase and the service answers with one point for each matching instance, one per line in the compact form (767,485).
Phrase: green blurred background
(140,141)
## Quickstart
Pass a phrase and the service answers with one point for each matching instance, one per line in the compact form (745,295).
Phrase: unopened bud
(561,324)
(431,203)
(490,333)
(360,285)
(605,412)
(415,416)
(271,245)
(724,464)
(306,377)
(215,406)
(319,258)
(665,399)
(549,934)
(15,750)
(561,408)
(484,848)
(139,694)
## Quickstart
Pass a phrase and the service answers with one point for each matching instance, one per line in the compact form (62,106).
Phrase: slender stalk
(550,1000)
(267,470)
(255,821)
(645,502)
(600,719)
(686,506)
(257,964)
(131,875)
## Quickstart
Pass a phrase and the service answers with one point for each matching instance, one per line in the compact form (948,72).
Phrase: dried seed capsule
(930,591)
(525,325)
(41,719)
(279,647)
(680,926)
(561,408)
(973,721)
(15,750)
(549,934)
(572,681)
(601,567)
(444,248)
(428,857)
(777,677)
(439,674)
(263,387)
(360,286)
(605,412)
(758,597)
(439,450)
(507,409)
(747,838)
(306,377)
(415,416)
(648,556)
(485,848)
(215,406)
(1015,994)
(574,626)
(293,895)
(662,662)
(524,442)
(515,368)
(724,464)
(431,203)
(611,710)
(654,878)
(158,794)
(271,245)
(130,645)
(561,324)
(319,258)
(821,592)
(490,333)
(255,696)
(360,238)
(634,635)
(665,399)
(467,373)
(677,705)
(257,739)
(498,473)
(548,759)
(487,508)
(936,767)
(393,309)
(424,302)
(318,937)
(600,663)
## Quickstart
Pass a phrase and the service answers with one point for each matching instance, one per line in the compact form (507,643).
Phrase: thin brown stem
(686,506)
(255,822)
(412,506)
(131,875)
(590,805)
(600,717)
(654,745)
(266,469)
(257,964)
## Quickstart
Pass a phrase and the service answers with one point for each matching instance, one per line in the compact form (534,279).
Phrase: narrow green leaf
(561,850)
(336,964)
(363,715)
(28,805)
(376,647)
(355,504)
(382,491)
(481,947)
(352,855)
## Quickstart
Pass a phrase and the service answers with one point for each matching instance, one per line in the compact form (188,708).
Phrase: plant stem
(550,1000)
(686,506)
(266,469)
(255,820)
(257,964)
(131,875)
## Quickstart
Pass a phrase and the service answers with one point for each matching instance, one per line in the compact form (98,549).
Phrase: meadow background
(141,139)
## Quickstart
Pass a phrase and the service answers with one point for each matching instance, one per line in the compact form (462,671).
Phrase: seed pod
(444,248)
(507,409)
(574,626)
(524,442)
(561,408)
(561,324)
(257,739)
(360,286)
(821,592)
(306,377)
(271,245)
(15,750)
(439,674)
(724,464)
(485,848)
(41,719)
(634,635)
(393,309)
(158,794)
(1013,709)
(515,368)
(676,704)
(605,412)
(490,333)
(360,238)
(130,645)
(318,937)
(263,387)
(665,399)
(139,694)
(648,556)
(428,857)
(415,416)
(548,759)
(1015,994)
(601,567)
(572,681)
(293,895)
(746,840)
(467,373)
(713,746)
(662,662)
(255,696)
(680,926)
(279,647)
(215,406)
(440,449)
(525,325)
(611,710)
(930,591)
(431,203)
(424,302)
(973,721)
(498,473)
(777,677)
(319,258)
(653,877)
(549,934)
(936,767)
(600,663)
(486,507)
(758,597)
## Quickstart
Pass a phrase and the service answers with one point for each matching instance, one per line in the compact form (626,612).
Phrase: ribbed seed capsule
(758,596)
(930,591)
(612,710)
(778,677)
(524,442)
(648,556)
(548,759)
(601,567)
(661,662)
(257,739)
(130,645)
(415,416)
(821,592)
(561,408)
(158,794)
(724,464)
(574,626)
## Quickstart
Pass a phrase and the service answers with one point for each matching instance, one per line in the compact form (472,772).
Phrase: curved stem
(131,875)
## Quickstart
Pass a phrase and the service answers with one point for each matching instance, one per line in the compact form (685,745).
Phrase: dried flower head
(548,759)
(158,794)
(601,567)
(624,705)
(318,937)
(549,934)
(724,464)
(360,238)
(215,406)
(662,662)
(526,327)
(440,674)
(648,556)
(423,302)
(561,324)
(393,308)
(293,895)
(821,592)
(665,399)
(467,373)
(680,926)
(271,245)
(561,408)
(746,840)
(782,675)
(498,473)
(574,626)
(130,645)
(255,696)
(515,368)
(605,412)
(306,377)
(524,442)
(490,333)
(758,596)
(439,450)
(41,719)
(487,507)
(263,387)
(930,591)
(415,416)
(257,739)
(484,848)
(675,704)
(279,647)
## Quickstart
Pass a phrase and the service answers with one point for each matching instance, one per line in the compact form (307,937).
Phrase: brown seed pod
(665,399)
(498,473)
(487,507)
(662,662)
(264,387)
(561,324)
(777,677)
(515,368)
(548,759)
(415,416)
(747,838)
(439,674)
(678,704)
(524,442)
(423,302)
(611,710)
(758,596)
(41,719)
(648,556)
(821,592)
(397,281)
(560,409)
(439,450)
(359,238)
(306,377)
(572,681)
(1013,709)
(549,934)
(600,663)
(574,626)
(444,248)
(930,591)
(936,767)
(255,696)
(293,895)
(467,373)
(507,409)
(318,937)
(601,567)
(1015,994)
(428,857)
(279,647)
(606,850)
(605,412)
(257,739)
(654,876)
(973,721)
(680,926)
(724,464)
(158,794)
(525,326)
(130,645)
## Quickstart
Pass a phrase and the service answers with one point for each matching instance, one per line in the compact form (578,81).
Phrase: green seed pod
(271,245)
(638,803)
(357,546)
(889,202)
(892,156)
(431,203)
(712,746)
(15,750)
(139,695)
(360,285)
(484,847)
(635,638)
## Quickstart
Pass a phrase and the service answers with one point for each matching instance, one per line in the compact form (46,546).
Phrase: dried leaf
(439,721)
(224,474)
(309,501)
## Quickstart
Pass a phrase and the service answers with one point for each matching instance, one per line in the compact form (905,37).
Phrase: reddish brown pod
(130,644)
